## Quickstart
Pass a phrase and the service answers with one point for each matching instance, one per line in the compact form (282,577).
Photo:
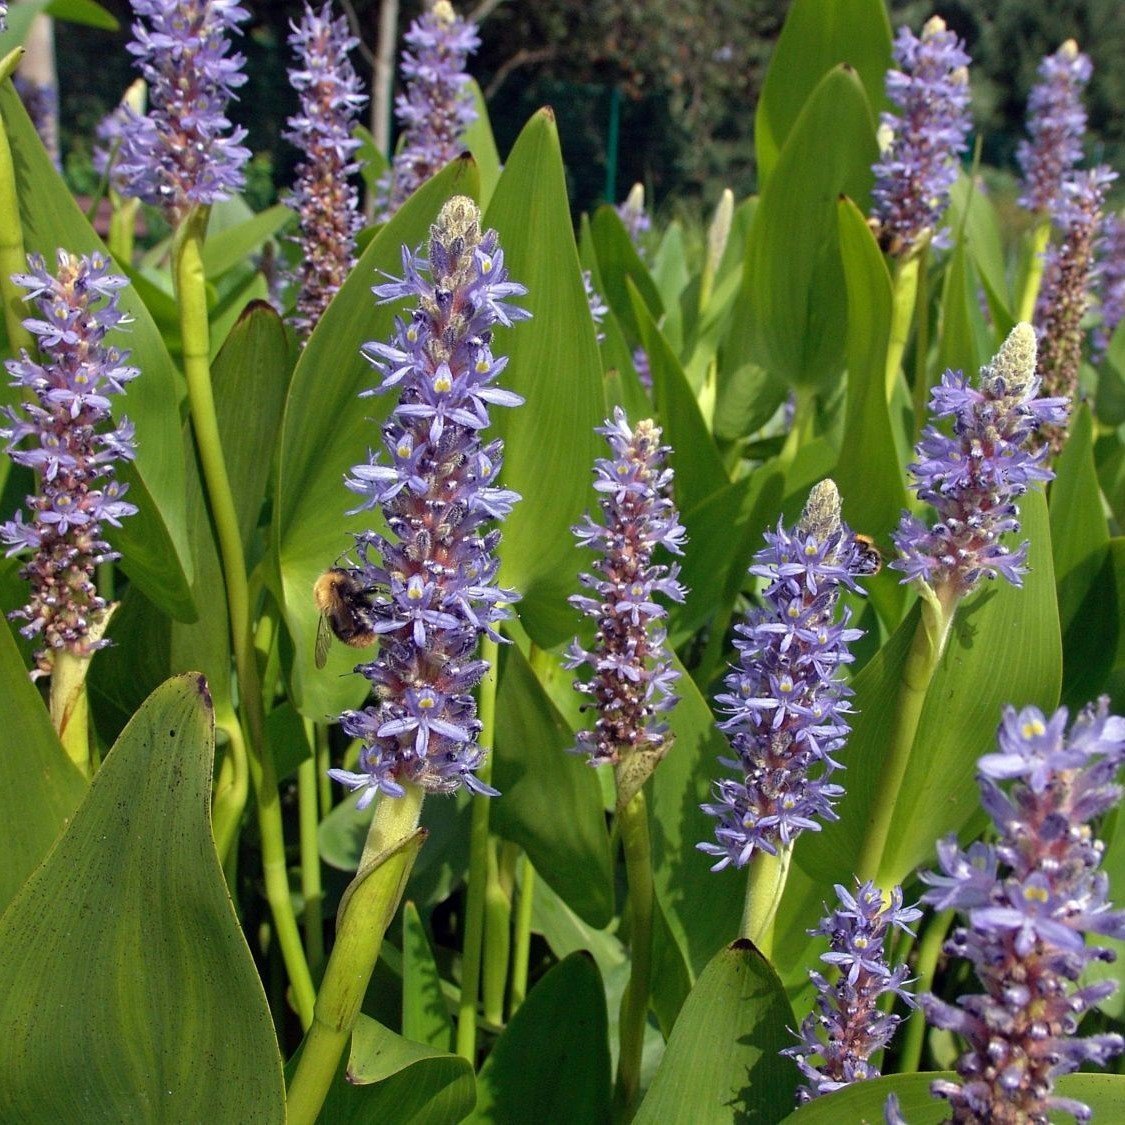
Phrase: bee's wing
(323,641)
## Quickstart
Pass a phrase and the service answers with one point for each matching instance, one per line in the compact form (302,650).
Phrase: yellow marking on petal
(443,384)
(1033,728)
(1036,894)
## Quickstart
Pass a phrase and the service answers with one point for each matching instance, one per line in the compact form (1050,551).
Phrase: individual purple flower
(184,152)
(1056,123)
(632,678)
(1111,285)
(922,142)
(598,307)
(431,581)
(437,105)
(633,214)
(64,440)
(327,204)
(1064,296)
(1029,902)
(786,702)
(848,1026)
(973,477)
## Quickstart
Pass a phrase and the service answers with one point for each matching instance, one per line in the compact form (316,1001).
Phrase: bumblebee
(869,557)
(341,597)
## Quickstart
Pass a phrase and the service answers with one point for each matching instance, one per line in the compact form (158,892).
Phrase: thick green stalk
(922,659)
(478,870)
(310,864)
(921,388)
(191,296)
(321,756)
(13,257)
(521,952)
(1033,277)
(929,952)
(122,225)
(233,787)
(903,295)
(70,711)
(765,886)
(497,940)
(366,911)
(635,842)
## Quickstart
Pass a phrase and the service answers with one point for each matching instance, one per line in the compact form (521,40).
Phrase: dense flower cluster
(633,677)
(431,587)
(1065,293)
(633,214)
(1111,284)
(184,151)
(848,1026)
(69,447)
(1056,122)
(923,140)
(786,702)
(1029,900)
(437,106)
(973,477)
(327,205)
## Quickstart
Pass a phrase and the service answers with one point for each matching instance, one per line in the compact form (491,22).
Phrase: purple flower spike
(598,307)
(184,152)
(1029,901)
(633,214)
(1056,122)
(786,703)
(437,106)
(632,677)
(69,448)
(848,1026)
(973,478)
(923,142)
(431,584)
(1111,282)
(327,204)
(1064,295)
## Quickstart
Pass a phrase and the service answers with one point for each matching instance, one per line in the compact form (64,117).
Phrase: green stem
(635,842)
(122,225)
(191,295)
(765,885)
(310,864)
(802,430)
(903,296)
(921,349)
(1033,276)
(521,953)
(13,257)
(324,782)
(70,711)
(497,940)
(478,870)
(365,913)
(926,648)
(234,783)
(929,952)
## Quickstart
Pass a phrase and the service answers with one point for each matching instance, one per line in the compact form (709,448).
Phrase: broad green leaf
(974,214)
(326,429)
(229,248)
(551,1063)
(551,804)
(425,1018)
(122,964)
(478,140)
(722,1061)
(549,442)
(957,344)
(39,786)
(670,274)
(818,34)
(1004,648)
(793,305)
(153,542)
(618,262)
(84,12)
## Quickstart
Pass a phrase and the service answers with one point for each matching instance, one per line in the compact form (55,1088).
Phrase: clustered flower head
(1029,901)
(326,203)
(633,214)
(786,703)
(432,580)
(973,477)
(1056,122)
(848,1026)
(184,152)
(1111,283)
(1064,296)
(64,439)
(437,106)
(632,677)
(924,140)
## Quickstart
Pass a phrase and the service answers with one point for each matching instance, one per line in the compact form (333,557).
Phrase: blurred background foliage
(686,74)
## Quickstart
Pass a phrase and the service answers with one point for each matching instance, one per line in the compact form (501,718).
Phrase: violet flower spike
(1029,902)
(184,152)
(598,307)
(69,441)
(1111,285)
(632,679)
(431,581)
(633,214)
(848,1027)
(786,704)
(922,143)
(327,205)
(973,477)
(1056,124)
(437,107)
